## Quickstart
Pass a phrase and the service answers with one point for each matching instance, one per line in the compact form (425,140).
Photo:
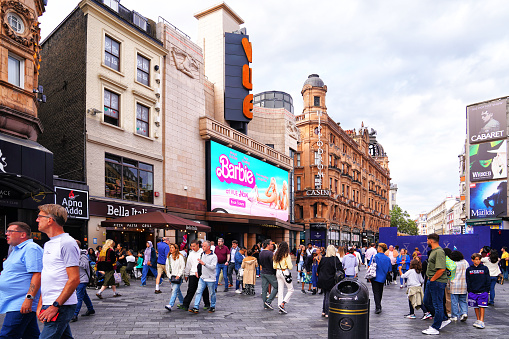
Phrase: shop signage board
(113,209)
(241,184)
(74,201)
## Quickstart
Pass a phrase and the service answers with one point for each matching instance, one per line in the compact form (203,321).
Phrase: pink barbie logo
(236,174)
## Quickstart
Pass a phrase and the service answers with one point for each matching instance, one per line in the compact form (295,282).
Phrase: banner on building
(488,199)
(487,121)
(488,160)
(241,184)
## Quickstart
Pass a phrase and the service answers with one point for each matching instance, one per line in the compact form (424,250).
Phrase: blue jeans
(493,281)
(145,272)
(59,328)
(434,302)
(18,325)
(81,293)
(175,292)
(401,280)
(223,267)
(505,272)
(459,305)
(212,292)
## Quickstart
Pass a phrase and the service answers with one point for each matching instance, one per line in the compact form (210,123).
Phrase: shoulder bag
(340,274)
(371,272)
(288,277)
(199,267)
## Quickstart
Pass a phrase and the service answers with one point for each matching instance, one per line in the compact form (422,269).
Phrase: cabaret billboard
(488,161)
(241,184)
(487,121)
(488,199)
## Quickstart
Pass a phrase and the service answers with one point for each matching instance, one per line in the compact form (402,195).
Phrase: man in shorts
(478,287)
(162,253)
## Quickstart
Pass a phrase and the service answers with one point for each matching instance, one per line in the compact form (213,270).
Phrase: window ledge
(112,126)
(112,70)
(139,83)
(144,137)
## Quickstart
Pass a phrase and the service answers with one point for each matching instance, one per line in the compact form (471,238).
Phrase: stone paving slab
(140,313)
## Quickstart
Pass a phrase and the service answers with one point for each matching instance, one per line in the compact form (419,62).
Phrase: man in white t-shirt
(60,274)
(370,252)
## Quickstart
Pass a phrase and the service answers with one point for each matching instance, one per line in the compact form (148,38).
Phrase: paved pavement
(140,313)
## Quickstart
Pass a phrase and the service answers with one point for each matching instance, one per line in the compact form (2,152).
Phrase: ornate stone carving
(185,63)
(293,130)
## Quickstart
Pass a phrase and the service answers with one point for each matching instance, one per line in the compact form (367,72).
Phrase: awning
(156,220)
(20,187)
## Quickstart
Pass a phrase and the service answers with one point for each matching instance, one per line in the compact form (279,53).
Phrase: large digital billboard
(488,160)
(487,121)
(488,199)
(241,184)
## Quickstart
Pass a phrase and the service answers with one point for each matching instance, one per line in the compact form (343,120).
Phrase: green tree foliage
(401,220)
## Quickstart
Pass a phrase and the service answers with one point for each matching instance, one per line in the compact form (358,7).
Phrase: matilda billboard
(487,121)
(488,199)
(240,184)
(488,160)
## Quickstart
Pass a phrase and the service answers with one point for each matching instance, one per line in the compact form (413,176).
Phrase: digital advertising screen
(488,161)
(241,184)
(487,121)
(488,199)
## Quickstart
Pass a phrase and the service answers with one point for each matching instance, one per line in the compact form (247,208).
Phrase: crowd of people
(50,284)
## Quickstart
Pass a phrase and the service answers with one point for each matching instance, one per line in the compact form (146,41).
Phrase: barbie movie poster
(241,184)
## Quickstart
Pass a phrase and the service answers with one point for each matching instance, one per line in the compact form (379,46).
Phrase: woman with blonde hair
(105,261)
(175,266)
(327,269)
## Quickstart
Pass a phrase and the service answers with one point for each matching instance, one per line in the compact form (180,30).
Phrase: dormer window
(113,4)
(140,21)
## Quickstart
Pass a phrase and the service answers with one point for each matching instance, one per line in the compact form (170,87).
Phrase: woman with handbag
(105,261)
(283,265)
(175,265)
(327,269)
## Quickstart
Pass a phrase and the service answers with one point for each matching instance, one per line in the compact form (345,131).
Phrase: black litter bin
(349,310)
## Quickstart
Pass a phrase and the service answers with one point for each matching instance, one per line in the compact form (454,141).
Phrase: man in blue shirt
(163,248)
(19,284)
(383,266)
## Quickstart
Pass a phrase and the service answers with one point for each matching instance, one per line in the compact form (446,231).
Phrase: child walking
(414,281)
(139,265)
(478,287)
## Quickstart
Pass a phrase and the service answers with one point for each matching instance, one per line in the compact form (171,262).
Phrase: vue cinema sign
(74,201)
(238,102)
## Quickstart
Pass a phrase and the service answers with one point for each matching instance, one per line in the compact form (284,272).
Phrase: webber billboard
(488,160)
(488,199)
(487,121)
(241,184)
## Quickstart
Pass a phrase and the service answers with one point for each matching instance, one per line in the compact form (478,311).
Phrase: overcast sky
(406,68)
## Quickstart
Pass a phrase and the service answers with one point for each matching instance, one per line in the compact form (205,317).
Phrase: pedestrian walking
(392,253)
(121,254)
(268,274)
(314,270)
(19,283)
(139,266)
(163,250)
(105,263)
(192,276)
(307,271)
(478,287)
(91,255)
(208,278)
(223,258)
(256,255)
(326,270)
(240,254)
(299,262)
(175,266)
(350,262)
(81,290)
(383,268)
(283,265)
(414,281)
(149,263)
(458,288)
(435,286)
(60,275)
(491,262)
(231,265)
(370,252)
(250,265)
(403,263)
(504,263)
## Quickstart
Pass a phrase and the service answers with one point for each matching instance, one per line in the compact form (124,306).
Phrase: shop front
(356,237)
(345,236)
(333,235)
(318,233)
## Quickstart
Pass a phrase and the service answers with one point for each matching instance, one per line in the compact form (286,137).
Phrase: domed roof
(314,80)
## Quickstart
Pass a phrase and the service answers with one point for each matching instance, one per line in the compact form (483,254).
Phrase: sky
(407,69)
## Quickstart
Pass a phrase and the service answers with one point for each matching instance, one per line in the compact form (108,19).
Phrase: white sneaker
(238,291)
(454,319)
(445,323)
(431,331)
(477,323)
(463,317)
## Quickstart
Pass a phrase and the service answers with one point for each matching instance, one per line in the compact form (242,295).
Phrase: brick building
(342,179)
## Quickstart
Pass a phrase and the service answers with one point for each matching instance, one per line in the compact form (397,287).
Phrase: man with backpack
(81,290)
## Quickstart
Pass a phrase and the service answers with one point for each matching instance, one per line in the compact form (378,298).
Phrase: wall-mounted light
(93,111)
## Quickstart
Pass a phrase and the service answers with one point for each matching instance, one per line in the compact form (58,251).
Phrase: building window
(128,179)
(315,210)
(142,120)
(140,21)
(318,158)
(330,184)
(270,145)
(301,212)
(298,159)
(111,105)
(318,182)
(298,183)
(112,53)
(16,74)
(113,4)
(317,101)
(143,70)
(16,22)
